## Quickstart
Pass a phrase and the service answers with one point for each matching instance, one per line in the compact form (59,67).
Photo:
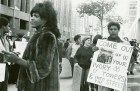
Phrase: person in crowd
(95,39)
(113,30)
(14,68)
(66,44)
(60,48)
(126,39)
(18,38)
(83,56)
(71,50)
(94,48)
(134,56)
(5,46)
(98,36)
(39,66)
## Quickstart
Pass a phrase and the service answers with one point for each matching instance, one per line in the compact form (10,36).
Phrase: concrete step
(66,69)
(133,86)
(76,77)
(133,78)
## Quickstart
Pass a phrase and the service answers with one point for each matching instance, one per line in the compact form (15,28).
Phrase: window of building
(28,6)
(9,3)
(4,2)
(23,5)
(23,24)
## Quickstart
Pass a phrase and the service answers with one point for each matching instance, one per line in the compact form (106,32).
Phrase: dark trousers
(4,84)
(13,73)
(72,65)
(84,86)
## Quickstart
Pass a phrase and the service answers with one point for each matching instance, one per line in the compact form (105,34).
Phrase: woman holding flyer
(39,66)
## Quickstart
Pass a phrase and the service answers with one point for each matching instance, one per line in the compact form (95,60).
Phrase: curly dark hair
(96,38)
(76,37)
(113,24)
(47,12)
(3,21)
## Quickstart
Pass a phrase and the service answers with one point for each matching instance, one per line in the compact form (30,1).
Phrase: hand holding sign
(109,65)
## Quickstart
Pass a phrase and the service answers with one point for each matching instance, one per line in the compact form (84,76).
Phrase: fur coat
(42,57)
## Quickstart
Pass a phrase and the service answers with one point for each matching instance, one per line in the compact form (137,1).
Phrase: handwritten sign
(109,65)
(20,47)
(2,71)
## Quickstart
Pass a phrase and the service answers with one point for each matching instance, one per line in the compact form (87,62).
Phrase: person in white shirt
(71,51)
(4,46)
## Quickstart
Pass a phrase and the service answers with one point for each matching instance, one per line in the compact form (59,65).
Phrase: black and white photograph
(48,45)
(105,56)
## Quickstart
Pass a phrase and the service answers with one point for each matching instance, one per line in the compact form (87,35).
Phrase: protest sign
(2,71)
(109,64)
(20,47)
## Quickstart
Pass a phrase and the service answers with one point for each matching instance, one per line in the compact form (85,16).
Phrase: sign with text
(2,71)
(109,64)
(20,47)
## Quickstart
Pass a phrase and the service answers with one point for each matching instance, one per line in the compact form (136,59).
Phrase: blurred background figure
(66,44)
(134,56)
(126,39)
(18,38)
(72,49)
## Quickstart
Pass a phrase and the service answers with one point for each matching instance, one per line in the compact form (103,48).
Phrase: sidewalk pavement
(65,85)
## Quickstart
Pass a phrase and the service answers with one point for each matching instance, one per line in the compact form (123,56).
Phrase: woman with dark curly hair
(39,66)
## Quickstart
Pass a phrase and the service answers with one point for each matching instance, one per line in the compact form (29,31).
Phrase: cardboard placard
(109,64)
(20,47)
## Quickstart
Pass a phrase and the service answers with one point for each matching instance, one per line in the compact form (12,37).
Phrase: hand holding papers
(20,47)
(10,56)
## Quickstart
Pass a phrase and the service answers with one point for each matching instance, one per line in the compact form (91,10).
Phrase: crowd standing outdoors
(41,64)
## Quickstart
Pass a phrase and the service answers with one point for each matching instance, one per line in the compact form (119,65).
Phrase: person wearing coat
(71,51)
(39,69)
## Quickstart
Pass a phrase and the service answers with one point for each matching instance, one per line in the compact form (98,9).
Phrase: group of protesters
(81,52)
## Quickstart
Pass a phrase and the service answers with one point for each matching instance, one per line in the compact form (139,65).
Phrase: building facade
(16,10)
(134,20)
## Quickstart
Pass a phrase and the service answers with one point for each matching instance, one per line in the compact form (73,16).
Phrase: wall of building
(15,11)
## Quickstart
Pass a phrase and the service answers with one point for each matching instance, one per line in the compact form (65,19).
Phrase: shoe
(131,73)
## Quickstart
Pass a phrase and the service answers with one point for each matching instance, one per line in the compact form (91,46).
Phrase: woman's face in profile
(88,42)
(37,21)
